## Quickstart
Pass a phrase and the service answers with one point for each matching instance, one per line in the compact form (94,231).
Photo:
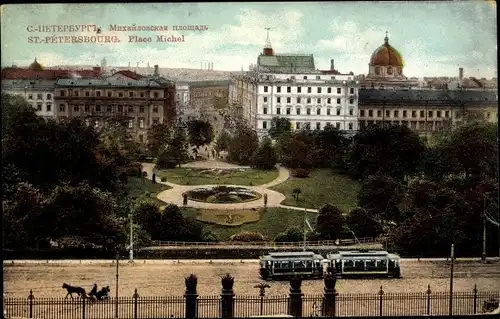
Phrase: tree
(173,226)
(265,156)
(176,151)
(199,133)
(330,222)
(393,151)
(223,141)
(279,126)
(158,136)
(330,145)
(363,224)
(292,234)
(243,144)
(297,151)
(147,214)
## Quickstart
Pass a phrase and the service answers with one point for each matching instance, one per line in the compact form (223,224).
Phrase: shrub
(300,173)
(163,179)
(247,237)
(133,169)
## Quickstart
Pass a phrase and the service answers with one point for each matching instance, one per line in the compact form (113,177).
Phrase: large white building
(288,85)
(39,93)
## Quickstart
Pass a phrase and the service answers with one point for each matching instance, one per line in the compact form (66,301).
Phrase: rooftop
(107,82)
(290,63)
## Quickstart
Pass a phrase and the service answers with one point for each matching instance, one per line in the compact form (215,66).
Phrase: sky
(435,38)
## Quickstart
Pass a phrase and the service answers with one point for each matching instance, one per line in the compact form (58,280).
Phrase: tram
(364,263)
(281,265)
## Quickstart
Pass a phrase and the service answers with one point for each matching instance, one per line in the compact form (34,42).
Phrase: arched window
(389,70)
(377,70)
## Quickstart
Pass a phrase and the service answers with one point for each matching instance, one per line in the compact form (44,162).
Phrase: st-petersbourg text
(62,28)
(75,39)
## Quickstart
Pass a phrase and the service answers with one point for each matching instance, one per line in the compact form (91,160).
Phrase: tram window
(370,264)
(289,264)
(382,264)
(277,264)
(308,264)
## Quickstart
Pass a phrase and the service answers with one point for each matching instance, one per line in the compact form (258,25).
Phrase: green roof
(287,63)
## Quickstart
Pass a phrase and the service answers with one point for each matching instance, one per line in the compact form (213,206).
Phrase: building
(182,100)
(289,85)
(385,69)
(425,110)
(139,103)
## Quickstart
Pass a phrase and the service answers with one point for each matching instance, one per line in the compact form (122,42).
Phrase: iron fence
(344,305)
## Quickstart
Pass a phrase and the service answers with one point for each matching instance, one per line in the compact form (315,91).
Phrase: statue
(227,283)
(191,283)
(295,283)
(330,281)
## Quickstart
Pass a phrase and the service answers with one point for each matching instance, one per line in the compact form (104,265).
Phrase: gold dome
(386,55)
(35,66)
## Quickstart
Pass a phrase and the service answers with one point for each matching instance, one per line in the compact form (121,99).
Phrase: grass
(321,187)
(137,187)
(272,222)
(196,176)
(228,218)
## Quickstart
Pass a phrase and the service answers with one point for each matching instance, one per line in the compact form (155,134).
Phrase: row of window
(265,99)
(39,96)
(309,90)
(130,122)
(307,125)
(308,111)
(405,113)
(414,125)
(48,107)
(109,94)
(108,108)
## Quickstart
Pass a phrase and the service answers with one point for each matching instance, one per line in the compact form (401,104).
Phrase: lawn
(272,222)
(136,187)
(196,176)
(321,187)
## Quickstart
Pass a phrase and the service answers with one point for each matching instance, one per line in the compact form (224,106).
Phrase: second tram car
(363,262)
(305,264)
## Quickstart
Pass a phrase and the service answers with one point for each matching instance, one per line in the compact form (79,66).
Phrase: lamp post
(452,255)
(262,292)
(131,248)
(116,292)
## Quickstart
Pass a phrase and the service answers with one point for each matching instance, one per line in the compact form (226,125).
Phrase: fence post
(83,306)
(135,296)
(227,297)
(329,306)
(295,306)
(191,296)
(475,298)
(30,301)
(428,292)
(381,293)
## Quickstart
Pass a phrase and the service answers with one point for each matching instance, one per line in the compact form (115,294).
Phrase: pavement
(274,198)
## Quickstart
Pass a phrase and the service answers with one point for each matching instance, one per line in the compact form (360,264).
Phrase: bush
(247,237)
(163,179)
(293,234)
(300,173)
(133,169)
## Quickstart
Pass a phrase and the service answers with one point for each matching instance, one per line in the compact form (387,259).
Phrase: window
(48,107)
(87,108)
(318,101)
(305,77)
(297,111)
(370,113)
(142,95)
(413,113)
(76,93)
(329,100)
(76,108)
(156,95)
(155,109)
(404,114)
(278,110)
(319,90)
(130,108)
(39,106)
(422,114)
(318,125)
(39,96)
(288,100)
(396,113)
(446,113)
(110,94)
(299,100)
(297,125)
(338,111)
(318,77)
(61,92)
(299,89)
(288,111)
(87,93)
(329,90)
(308,100)
(431,114)
(30,96)
(339,90)
(350,126)
(338,101)
(379,113)
(265,99)
(141,138)
(278,89)
(98,93)
(438,113)
(98,108)
(337,125)
(264,111)
(488,115)
(141,109)
(120,108)
(109,108)
(351,112)
(265,89)
(156,121)
(387,113)
(62,108)
(351,90)
(308,111)
(289,89)
(49,96)
(309,90)
(120,94)
(361,113)
(130,123)
(351,101)
(141,123)
(318,111)
(130,94)
(264,124)
(328,111)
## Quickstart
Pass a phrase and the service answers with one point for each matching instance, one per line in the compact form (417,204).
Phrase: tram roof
(293,255)
(362,254)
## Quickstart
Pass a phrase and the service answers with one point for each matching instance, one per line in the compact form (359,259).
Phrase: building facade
(39,93)
(289,86)
(138,103)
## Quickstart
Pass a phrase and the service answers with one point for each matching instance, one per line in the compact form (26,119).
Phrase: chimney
(156,73)
(332,65)
(460,74)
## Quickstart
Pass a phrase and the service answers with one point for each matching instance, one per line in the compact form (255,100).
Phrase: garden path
(274,198)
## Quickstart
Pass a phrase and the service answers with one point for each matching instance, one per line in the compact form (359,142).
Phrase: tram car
(283,265)
(364,263)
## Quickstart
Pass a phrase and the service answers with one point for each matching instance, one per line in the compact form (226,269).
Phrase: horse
(78,290)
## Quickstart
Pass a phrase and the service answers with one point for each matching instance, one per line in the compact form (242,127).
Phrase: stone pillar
(295,306)
(191,297)
(227,297)
(330,303)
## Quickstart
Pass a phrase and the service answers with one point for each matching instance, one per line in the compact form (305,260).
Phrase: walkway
(274,198)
